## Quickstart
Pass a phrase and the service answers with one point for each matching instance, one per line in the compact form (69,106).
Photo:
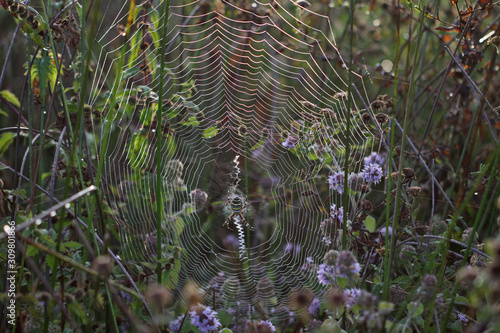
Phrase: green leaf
(21,194)
(131,72)
(225,318)
(259,144)
(77,309)
(51,261)
(370,223)
(188,209)
(32,251)
(210,132)
(312,155)
(403,281)
(461,299)
(72,245)
(10,97)
(192,121)
(415,309)
(179,226)
(44,69)
(6,140)
(3,113)
(385,307)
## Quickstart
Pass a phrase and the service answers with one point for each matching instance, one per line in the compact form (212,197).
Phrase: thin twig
(9,52)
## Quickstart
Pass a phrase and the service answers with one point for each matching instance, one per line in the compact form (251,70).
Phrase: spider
(236,206)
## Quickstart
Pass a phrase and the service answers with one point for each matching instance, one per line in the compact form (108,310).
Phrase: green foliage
(440,202)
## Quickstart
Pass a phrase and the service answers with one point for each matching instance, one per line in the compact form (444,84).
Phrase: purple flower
(372,173)
(176,324)
(326,274)
(314,307)
(293,248)
(336,181)
(462,318)
(351,296)
(337,213)
(347,265)
(267,324)
(383,230)
(231,241)
(204,318)
(290,142)
(375,158)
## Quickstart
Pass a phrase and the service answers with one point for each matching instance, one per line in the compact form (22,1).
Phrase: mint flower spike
(326,274)
(372,173)
(347,265)
(336,181)
(374,158)
(204,318)
(337,213)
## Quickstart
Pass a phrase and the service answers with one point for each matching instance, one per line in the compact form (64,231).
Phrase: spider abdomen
(236,204)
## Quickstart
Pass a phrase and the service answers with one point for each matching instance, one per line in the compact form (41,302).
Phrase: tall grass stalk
(159,140)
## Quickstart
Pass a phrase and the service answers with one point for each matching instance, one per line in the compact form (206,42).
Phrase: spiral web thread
(255,85)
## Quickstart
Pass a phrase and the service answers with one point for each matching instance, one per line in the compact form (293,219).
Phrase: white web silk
(235,85)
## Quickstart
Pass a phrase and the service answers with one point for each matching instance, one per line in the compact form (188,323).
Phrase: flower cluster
(290,142)
(351,296)
(347,265)
(203,317)
(265,326)
(374,158)
(336,181)
(314,307)
(337,214)
(326,274)
(176,324)
(372,173)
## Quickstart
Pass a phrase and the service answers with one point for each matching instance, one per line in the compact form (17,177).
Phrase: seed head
(331,257)
(414,190)
(335,298)
(102,265)
(366,205)
(300,299)
(159,295)
(382,118)
(408,173)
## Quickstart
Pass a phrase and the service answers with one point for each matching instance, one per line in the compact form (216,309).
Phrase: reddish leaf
(453,2)
(466,13)
(447,39)
(449,29)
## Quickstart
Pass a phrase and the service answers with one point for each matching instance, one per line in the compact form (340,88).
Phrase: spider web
(254,106)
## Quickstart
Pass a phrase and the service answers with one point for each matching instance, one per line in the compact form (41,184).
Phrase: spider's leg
(246,223)
(226,224)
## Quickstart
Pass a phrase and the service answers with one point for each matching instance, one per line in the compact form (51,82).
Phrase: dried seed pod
(366,117)
(366,205)
(414,190)
(409,173)
(382,118)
